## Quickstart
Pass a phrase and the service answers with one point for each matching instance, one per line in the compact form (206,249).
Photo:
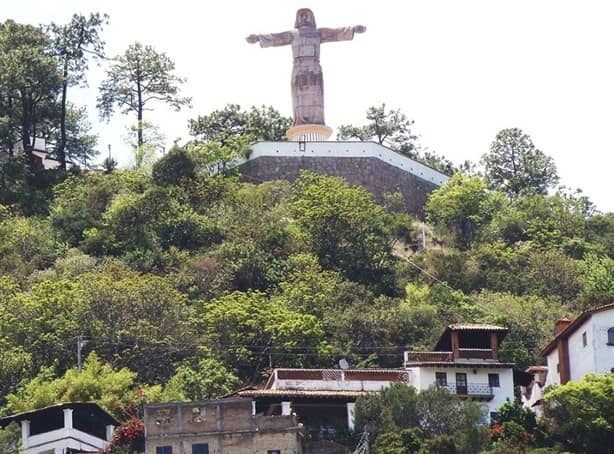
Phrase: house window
(493,380)
(200,448)
(164,450)
(441,379)
(273,451)
(584,342)
(611,336)
(461,384)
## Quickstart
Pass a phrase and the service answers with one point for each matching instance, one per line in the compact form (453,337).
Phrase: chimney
(561,324)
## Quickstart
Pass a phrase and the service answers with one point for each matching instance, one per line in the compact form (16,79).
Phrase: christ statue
(307,83)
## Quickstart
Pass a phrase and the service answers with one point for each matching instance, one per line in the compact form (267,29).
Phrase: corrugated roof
(300,393)
(569,329)
(476,327)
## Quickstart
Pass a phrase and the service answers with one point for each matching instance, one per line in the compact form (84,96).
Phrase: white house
(41,156)
(583,345)
(465,360)
(77,427)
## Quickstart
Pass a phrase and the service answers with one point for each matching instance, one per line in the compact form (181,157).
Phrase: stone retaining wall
(374,174)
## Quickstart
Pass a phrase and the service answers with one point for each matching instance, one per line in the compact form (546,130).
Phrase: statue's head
(305,18)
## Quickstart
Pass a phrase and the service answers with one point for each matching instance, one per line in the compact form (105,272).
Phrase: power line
(430,275)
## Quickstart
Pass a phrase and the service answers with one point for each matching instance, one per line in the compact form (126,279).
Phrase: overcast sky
(463,70)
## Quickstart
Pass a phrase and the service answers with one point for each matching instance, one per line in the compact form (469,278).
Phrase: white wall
(552,360)
(604,353)
(581,358)
(424,376)
(62,439)
(331,385)
(349,150)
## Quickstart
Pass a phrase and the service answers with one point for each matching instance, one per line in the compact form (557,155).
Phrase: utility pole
(423,237)
(80,343)
(363,444)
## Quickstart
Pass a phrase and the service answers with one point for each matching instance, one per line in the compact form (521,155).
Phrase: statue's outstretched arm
(272,39)
(340,34)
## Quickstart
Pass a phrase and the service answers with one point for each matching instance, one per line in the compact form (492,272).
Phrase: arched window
(611,336)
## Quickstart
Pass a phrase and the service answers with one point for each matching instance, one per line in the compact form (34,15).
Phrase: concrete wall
(227,427)
(377,168)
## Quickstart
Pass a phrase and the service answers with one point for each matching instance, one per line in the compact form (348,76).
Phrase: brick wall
(372,173)
(226,426)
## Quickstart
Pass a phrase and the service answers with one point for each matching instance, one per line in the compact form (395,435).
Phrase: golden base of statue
(308,133)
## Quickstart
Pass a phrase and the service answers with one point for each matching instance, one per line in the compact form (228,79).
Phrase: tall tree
(29,82)
(515,166)
(73,43)
(137,78)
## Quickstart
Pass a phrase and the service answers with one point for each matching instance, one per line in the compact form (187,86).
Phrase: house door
(461,383)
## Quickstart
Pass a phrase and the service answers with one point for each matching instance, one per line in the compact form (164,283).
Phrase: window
(441,379)
(273,451)
(164,450)
(163,416)
(461,383)
(198,414)
(611,336)
(493,380)
(584,342)
(200,448)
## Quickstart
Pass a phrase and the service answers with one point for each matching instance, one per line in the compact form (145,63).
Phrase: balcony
(428,357)
(474,390)
(448,357)
(475,353)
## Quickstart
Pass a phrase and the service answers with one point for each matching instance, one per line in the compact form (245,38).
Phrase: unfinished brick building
(227,426)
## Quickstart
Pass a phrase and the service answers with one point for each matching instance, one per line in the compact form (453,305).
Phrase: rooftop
(104,416)
(476,327)
(307,394)
(569,329)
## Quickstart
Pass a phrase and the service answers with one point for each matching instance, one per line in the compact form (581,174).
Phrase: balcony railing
(444,357)
(437,357)
(470,389)
(475,353)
